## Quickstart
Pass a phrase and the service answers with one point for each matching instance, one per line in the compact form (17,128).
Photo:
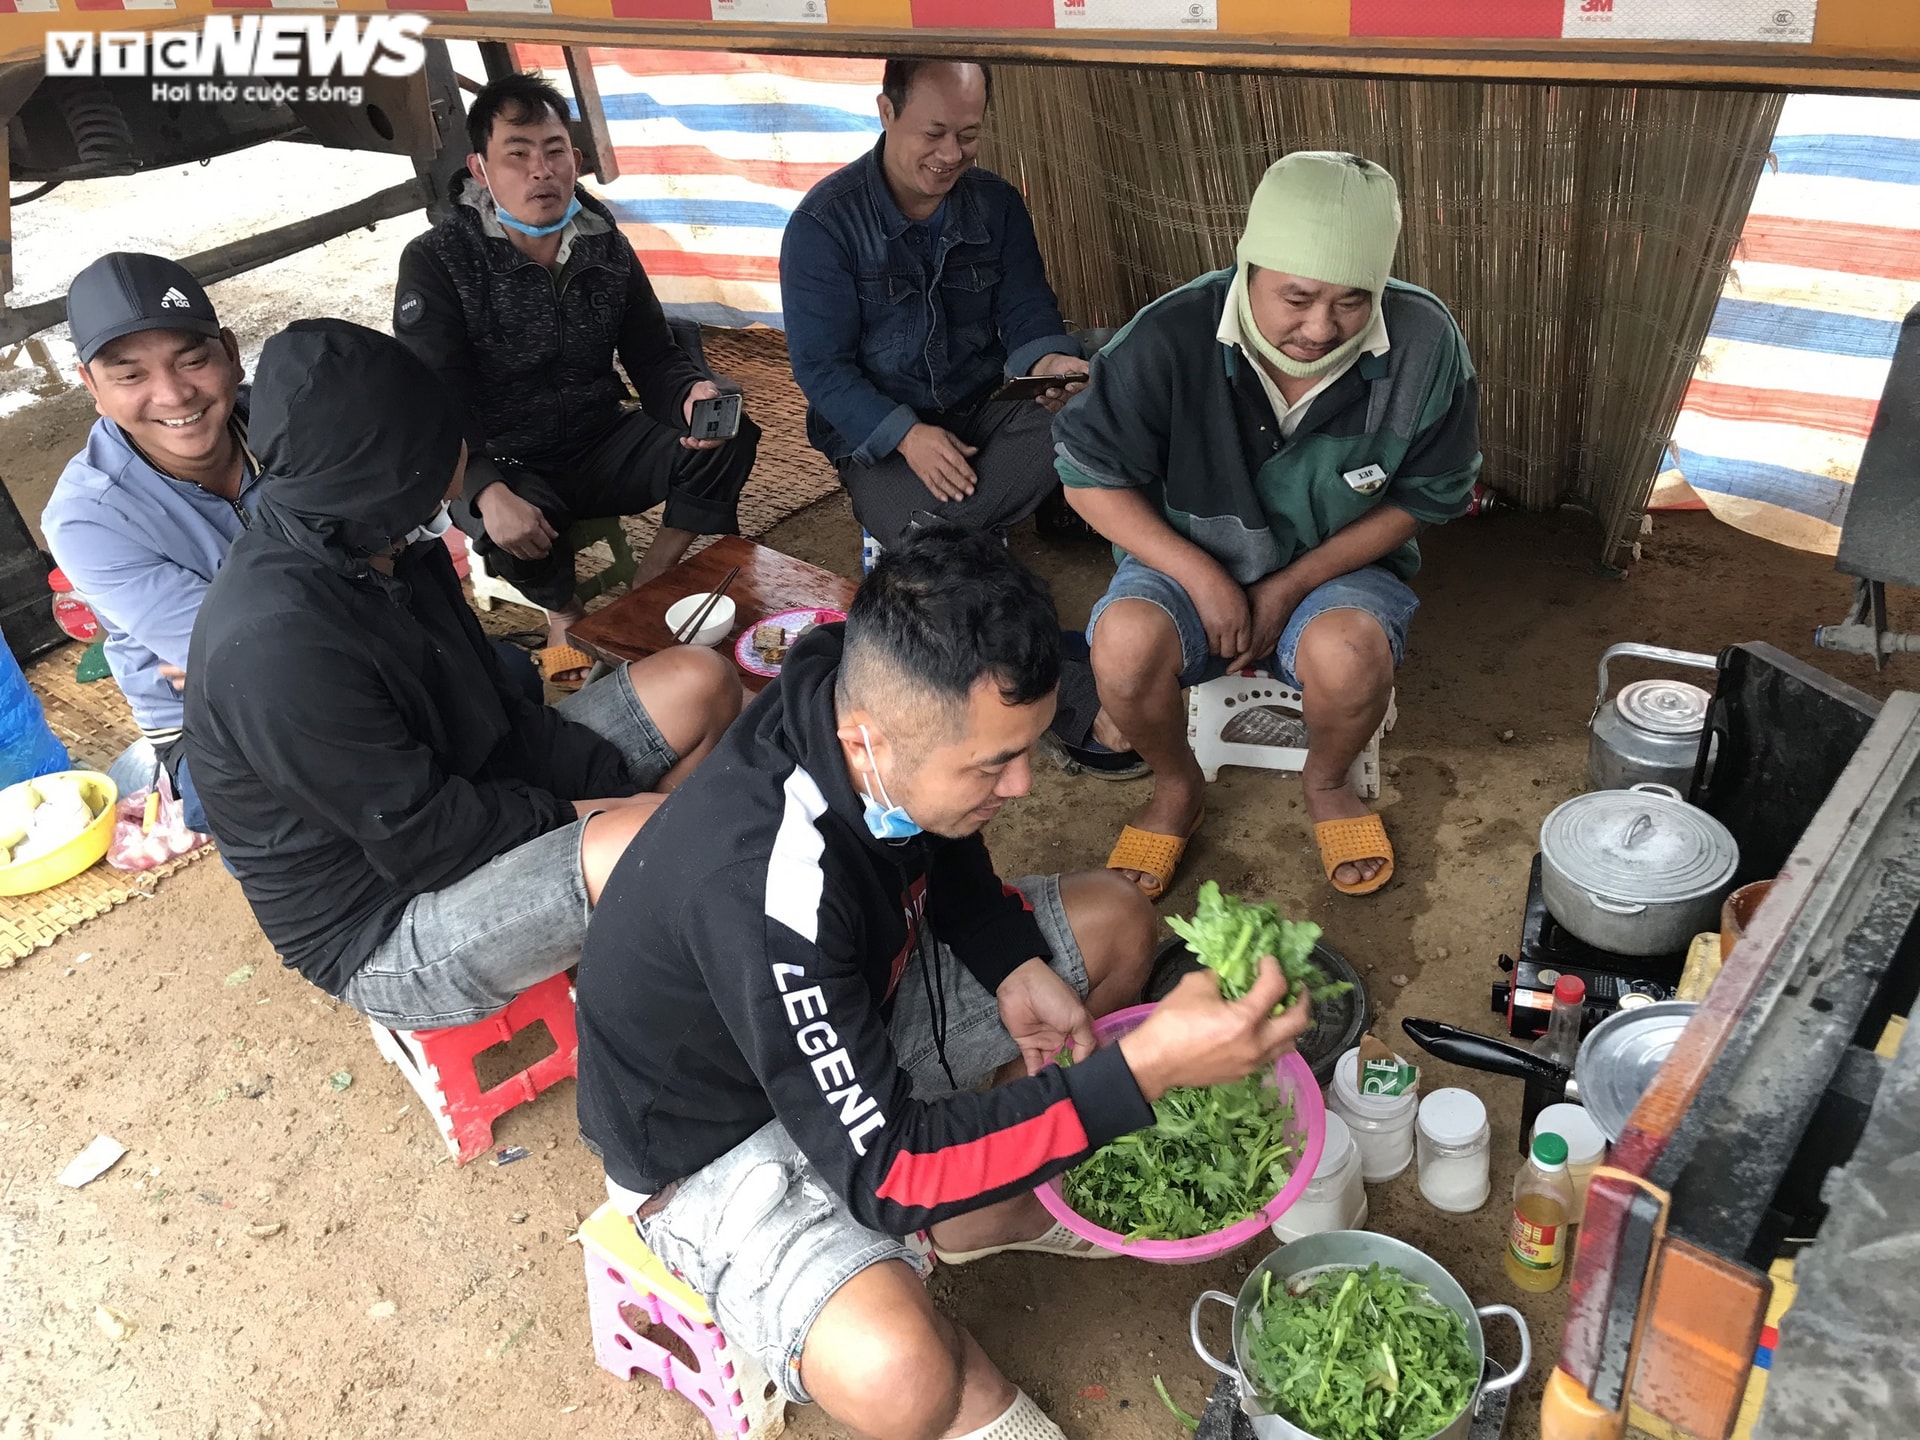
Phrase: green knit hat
(1322,215)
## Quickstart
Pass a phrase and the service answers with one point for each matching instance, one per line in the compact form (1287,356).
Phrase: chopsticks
(692,628)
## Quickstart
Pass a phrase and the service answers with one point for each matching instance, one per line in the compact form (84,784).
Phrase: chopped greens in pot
(1351,1354)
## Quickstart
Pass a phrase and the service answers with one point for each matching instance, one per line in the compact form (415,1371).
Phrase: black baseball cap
(127,292)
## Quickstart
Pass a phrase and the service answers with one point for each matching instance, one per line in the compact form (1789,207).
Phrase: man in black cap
(415,836)
(144,515)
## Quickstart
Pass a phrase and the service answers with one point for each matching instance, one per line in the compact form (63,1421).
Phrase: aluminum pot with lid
(1650,733)
(1348,1250)
(1637,871)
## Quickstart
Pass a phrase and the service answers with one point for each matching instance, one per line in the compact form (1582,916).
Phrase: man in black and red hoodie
(804,970)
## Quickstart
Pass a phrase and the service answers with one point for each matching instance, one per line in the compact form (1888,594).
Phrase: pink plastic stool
(632,1296)
(439,1064)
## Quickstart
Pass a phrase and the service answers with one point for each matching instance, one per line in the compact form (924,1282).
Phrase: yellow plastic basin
(90,845)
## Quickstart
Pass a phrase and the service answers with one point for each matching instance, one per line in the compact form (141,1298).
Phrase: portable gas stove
(1547,952)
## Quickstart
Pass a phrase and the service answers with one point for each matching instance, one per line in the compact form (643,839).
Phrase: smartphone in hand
(717,418)
(1032,387)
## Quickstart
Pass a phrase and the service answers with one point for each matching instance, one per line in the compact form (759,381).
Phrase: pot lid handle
(1513,1376)
(1220,1297)
(1631,651)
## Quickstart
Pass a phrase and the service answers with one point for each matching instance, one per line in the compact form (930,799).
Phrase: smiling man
(913,288)
(814,1022)
(520,301)
(143,517)
(1261,446)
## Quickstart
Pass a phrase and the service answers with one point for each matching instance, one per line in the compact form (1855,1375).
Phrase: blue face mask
(886,821)
(537,231)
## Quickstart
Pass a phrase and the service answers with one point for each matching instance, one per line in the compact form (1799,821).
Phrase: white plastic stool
(1213,705)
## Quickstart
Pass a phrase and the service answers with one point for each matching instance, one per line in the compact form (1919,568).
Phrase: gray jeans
(758,1233)
(1014,473)
(463,952)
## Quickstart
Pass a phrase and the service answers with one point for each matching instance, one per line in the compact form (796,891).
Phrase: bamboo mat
(95,725)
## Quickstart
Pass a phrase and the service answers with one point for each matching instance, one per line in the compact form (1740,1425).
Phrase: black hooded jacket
(742,965)
(350,733)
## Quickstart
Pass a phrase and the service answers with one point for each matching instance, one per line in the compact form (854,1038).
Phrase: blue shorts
(1374,589)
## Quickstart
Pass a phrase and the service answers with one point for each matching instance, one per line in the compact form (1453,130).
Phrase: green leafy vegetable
(1167,1400)
(1230,935)
(1213,1157)
(1352,1354)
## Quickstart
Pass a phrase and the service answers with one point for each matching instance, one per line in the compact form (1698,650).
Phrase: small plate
(750,659)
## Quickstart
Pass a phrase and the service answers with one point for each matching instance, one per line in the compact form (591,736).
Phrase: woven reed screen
(1580,234)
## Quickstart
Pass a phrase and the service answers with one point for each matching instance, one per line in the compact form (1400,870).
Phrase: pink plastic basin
(1295,1078)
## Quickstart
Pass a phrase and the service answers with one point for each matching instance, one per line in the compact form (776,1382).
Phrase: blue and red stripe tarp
(1828,264)
(715,151)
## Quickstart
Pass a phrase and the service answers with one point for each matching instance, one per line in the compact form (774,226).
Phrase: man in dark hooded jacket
(414,834)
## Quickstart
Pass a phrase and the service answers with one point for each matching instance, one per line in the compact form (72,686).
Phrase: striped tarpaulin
(715,152)
(1790,376)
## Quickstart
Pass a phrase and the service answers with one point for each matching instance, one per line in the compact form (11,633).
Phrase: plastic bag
(27,747)
(150,828)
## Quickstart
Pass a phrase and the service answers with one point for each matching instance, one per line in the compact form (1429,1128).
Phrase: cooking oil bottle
(1542,1200)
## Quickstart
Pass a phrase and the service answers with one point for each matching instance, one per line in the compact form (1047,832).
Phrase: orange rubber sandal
(1153,855)
(1344,841)
(557,660)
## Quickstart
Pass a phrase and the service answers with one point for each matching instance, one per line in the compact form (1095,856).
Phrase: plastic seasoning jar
(1454,1142)
(1586,1148)
(1382,1125)
(70,612)
(1334,1199)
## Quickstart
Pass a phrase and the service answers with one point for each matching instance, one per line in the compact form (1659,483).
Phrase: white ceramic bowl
(719,620)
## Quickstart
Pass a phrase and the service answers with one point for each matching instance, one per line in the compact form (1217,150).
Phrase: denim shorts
(463,952)
(1374,589)
(758,1233)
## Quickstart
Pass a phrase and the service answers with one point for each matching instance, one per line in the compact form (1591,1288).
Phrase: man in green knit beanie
(1261,446)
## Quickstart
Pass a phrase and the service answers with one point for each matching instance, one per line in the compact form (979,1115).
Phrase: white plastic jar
(1455,1160)
(1334,1199)
(1382,1125)
(1586,1148)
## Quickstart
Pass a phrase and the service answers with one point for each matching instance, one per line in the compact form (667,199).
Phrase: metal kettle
(1650,732)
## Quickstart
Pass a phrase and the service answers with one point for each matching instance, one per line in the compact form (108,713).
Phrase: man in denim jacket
(913,289)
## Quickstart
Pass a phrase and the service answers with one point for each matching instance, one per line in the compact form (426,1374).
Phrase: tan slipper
(1151,855)
(568,660)
(1343,842)
(1057,1240)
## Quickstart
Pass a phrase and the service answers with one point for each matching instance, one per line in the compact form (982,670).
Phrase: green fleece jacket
(1174,412)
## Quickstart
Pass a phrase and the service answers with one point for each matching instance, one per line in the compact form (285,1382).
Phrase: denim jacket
(885,325)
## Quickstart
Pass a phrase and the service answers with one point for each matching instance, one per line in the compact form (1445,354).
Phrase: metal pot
(1636,871)
(1651,731)
(1347,1249)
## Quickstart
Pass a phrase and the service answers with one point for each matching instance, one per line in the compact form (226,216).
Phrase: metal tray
(1620,1057)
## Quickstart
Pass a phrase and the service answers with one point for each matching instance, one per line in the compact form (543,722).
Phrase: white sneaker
(1056,1240)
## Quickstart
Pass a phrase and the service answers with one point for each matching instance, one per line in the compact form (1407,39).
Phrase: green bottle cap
(1549,1150)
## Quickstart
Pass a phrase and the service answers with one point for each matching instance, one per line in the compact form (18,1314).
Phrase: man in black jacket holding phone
(519,302)
(415,835)
(805,969)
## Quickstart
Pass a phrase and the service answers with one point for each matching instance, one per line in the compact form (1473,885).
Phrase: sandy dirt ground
(295,1255)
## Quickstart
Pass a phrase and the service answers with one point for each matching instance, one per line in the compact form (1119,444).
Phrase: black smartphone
(1032,387)
(717,418)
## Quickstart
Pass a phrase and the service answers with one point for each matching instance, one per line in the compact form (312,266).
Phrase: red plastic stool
(439,1064)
